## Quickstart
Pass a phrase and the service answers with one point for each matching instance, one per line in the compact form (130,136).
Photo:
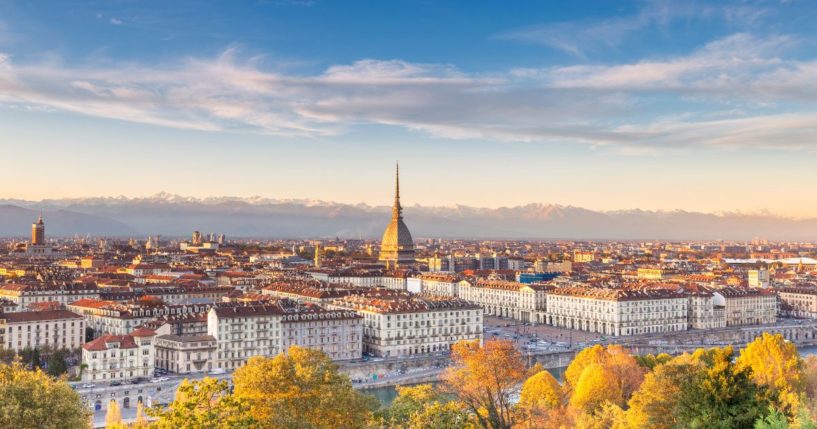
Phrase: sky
(607,105)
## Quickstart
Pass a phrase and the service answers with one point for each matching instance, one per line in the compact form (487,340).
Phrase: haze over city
(655,105)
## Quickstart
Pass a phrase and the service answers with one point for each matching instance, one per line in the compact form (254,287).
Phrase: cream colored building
(798,302)
(185,354)
(405,325)
(242,331)
(338,333)
(119,357)
(57,329)
(25,294)
(441,284)
(514,300)
(267,329)
(747,306)
(616,311)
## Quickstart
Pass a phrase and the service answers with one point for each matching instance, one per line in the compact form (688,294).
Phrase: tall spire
(397,210)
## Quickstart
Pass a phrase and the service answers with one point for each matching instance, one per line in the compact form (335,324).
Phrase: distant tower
(196,239)
(397,247)
(318,256)
(222,240)
(38,232)
(149,244)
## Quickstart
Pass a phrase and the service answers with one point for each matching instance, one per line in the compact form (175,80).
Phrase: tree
(541,395)
(32,399)
(774,420)
(596,386)
(608,416)
(587,356)
(625,370)
(35,359)
(775,364)
(653,405)
(541,391)
(141,421)
(650,361)
(483,378)
(721,396)
(204,404)
(113,417)
(301,389)
(7,356)
(56,363)
(438,415)
(410,400)
(629,373)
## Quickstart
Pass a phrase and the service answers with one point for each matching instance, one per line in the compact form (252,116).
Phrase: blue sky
(608,105)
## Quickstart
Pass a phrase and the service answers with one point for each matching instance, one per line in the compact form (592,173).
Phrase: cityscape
(229,244)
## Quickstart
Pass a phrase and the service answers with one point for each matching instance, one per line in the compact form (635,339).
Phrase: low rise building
(514,300)
(400,324)
(747,306)
(57,329)
(186,354)
(119,357)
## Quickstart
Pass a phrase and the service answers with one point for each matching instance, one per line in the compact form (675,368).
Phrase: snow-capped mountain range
(174,215)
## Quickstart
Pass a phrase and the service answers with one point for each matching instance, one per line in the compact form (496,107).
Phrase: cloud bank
(741,90)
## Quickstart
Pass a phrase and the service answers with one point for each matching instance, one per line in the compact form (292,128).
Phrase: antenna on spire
(397,210)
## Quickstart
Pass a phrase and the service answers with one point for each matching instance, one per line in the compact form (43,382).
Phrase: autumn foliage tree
(484,378)
(301,389)
(204,404)
(775,364)
(33,399)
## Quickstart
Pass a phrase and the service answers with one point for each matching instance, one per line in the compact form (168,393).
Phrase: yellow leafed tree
(776,364)
(33,399)
(301,389)
(596,386)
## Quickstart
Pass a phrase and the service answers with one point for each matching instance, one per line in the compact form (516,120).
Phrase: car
(164,378)
(116,383)
(137,381)
(218,371)
(88,385)
(155,380)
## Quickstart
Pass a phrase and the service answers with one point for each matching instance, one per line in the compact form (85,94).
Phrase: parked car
(218,371)
(116,383)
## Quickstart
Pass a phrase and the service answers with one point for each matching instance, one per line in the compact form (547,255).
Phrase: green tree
(33,399)
(721,396)
(774,420)
(56,363)
(204,404)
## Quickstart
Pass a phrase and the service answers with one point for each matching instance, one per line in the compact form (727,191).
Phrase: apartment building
(747,306)
(58,329)
(405,325)
(798,302)
(243,331)
(25,294)
(119,357)
(501,298)
(617,311)
(186,354)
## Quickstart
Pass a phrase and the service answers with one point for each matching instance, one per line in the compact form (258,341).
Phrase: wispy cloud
(589,35)
(115,21)
(737,91)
